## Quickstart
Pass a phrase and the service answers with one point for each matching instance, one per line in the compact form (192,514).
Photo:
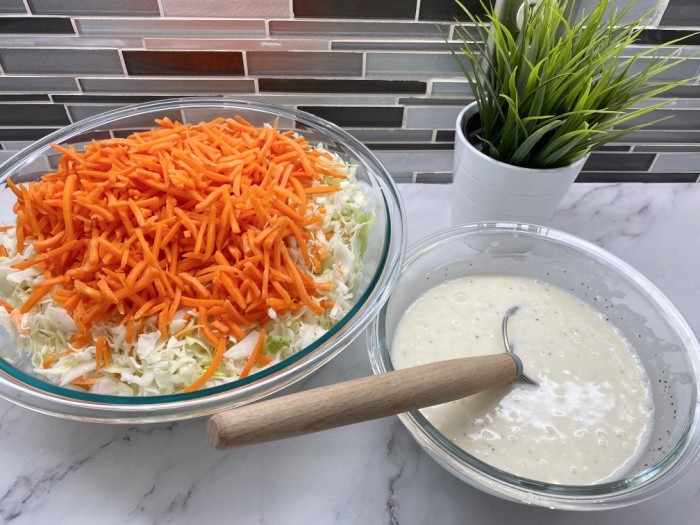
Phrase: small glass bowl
(665,343)
(382,261)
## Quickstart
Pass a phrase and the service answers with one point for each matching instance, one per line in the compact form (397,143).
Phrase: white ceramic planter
(485,189)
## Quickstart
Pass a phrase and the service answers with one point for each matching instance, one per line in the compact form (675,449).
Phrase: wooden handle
(359,400)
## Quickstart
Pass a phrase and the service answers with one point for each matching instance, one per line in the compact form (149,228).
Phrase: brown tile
(355,9)
(157,63)
(359,117)
(322,85)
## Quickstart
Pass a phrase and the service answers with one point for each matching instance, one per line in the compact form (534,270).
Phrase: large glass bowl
(665,343)
(382,261)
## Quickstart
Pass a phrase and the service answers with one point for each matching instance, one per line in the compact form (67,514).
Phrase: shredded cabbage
(152,366)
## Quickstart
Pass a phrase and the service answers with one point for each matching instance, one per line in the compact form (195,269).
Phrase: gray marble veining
(56,471)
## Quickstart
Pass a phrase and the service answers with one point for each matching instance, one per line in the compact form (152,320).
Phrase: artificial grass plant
(554,90)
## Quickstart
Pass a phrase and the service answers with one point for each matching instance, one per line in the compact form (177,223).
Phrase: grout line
(656,20)
(653,163)
(125,72)
(364,65)
(698,179)
(161,12)
(292,15)
(244,55)
(26,6)
(74,24)
(417,10)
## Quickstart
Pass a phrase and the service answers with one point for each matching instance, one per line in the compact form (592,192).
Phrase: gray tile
(308,99)
(227,9)
(17,84)
(445,135)
(640,176)
(412,65)
(341,28)
(686,119)
(637,10)
(95,7)
(682,51)
(681,70)
(685,90)
(677,162)
(304,63)
(390,45)
(449,10)
(15,133)
(68,41)
(16,145)
(434,178)
(411,146)
(662,136)
(13,6)
(31,25)
(167,27)
(458,87)
(196,115)
(5,155)
(683,103)
(669,148)
(663,35)
(403,178)
(434,101)
(236,44)
(46,61)
(80,112)
(172,86)
(391,135)
(681,13)
(432,117)
(25,115)
(605,161)
(416,160)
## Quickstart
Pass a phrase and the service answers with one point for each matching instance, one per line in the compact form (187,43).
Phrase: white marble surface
(55,471)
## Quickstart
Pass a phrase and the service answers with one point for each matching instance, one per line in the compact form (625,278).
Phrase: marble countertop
(56,471)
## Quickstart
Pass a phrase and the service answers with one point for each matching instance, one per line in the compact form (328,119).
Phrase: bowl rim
(275,377)
(634,489)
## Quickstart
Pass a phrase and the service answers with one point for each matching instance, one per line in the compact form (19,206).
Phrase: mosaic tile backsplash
(381,69)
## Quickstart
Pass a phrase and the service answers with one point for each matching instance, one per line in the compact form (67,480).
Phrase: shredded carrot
(196,216)
(253,355)
(99,351)
(49,360)
(215,362)
(7,306)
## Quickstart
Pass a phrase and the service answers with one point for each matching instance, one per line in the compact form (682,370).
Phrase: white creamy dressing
(589,418)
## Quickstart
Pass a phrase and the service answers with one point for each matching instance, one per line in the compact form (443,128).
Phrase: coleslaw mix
(155,366)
